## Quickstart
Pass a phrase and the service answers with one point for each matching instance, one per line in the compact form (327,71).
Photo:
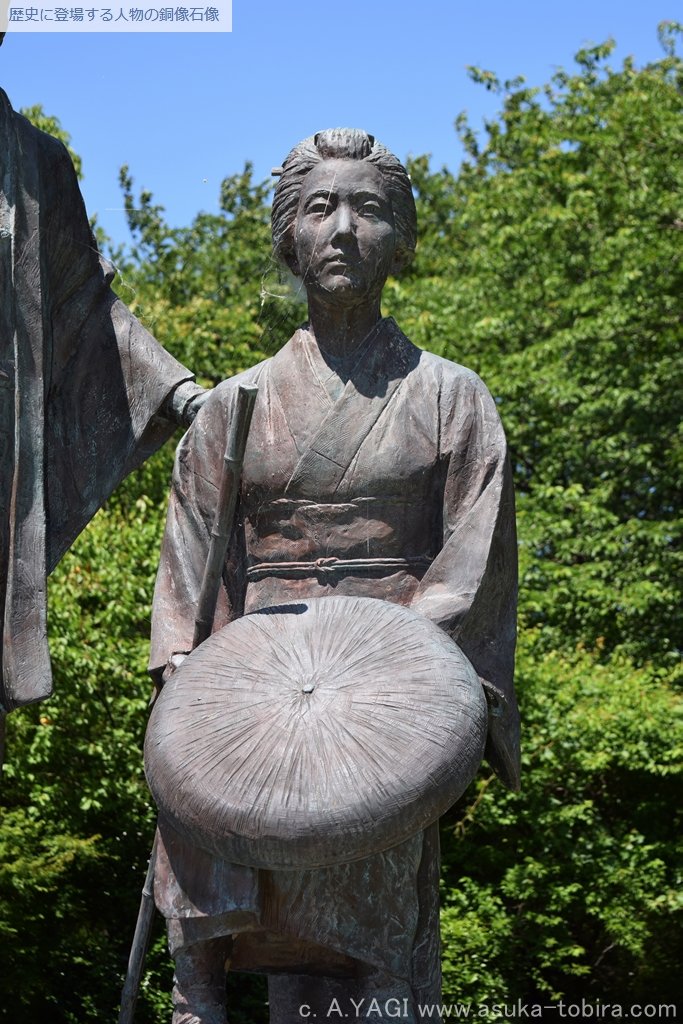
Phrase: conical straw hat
(315,733)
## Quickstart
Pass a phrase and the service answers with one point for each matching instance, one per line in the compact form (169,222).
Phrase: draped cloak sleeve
(82,385)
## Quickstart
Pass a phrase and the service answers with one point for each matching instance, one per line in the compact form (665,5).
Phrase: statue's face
(344,238)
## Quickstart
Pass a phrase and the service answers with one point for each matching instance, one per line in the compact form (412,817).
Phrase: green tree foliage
(209,291)
(553,267)
(550,263)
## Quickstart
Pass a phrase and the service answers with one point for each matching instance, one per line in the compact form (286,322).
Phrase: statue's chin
(345,289)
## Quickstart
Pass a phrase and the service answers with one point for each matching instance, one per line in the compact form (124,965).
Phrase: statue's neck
(339,332)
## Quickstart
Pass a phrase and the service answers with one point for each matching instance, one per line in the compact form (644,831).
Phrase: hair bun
(347,143)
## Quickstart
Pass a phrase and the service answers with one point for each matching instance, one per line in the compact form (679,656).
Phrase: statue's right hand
(173,663)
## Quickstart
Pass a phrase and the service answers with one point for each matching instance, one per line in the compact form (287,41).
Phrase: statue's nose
(343,224)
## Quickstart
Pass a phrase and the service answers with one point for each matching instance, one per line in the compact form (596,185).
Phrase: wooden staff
(138,950)
(233,460)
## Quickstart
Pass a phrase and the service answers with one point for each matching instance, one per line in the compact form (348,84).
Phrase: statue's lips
(338,260)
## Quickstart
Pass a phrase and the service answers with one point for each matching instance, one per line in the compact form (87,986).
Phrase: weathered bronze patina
(373,470)
(86,394)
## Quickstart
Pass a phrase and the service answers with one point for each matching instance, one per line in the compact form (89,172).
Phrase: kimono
(396,485)
(82,385)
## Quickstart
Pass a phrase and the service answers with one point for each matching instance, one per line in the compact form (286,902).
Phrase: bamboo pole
(233,460)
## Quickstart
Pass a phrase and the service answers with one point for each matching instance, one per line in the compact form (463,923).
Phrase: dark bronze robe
(395,485)
(81,384)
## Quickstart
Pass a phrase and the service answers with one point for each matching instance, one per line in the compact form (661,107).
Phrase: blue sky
(185,110)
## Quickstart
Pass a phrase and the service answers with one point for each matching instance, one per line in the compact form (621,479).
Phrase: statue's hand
(193,407)
(185,402)
(494,699)
(173,663)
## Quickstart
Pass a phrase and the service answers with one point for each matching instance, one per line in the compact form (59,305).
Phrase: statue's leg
(378,997)
(199,983)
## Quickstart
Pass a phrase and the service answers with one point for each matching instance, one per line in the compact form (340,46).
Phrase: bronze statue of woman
(375,470)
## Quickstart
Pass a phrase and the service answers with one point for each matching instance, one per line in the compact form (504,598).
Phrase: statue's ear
(400,261)
(293,263)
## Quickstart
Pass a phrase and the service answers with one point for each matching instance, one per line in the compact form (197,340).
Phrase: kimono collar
(342,423)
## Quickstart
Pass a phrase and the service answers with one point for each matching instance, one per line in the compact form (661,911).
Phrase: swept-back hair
(344,144)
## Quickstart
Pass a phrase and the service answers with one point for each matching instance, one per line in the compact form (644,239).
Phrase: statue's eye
(319,207)
(370,209)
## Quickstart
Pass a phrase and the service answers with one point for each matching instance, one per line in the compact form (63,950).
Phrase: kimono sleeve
(107,378)
(470,589)
(185,546)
